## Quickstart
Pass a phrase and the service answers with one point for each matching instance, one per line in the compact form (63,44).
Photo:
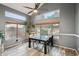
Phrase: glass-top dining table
(43,38)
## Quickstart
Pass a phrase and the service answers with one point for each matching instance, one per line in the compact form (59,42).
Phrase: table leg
(29,43)
(45,48)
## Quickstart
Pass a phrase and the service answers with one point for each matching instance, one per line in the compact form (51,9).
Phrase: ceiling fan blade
(28,7)
(37,5)
(29,12)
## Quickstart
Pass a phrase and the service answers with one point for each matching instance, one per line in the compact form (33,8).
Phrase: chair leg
(42,47)
(33,44)
(48,48)
(38,44)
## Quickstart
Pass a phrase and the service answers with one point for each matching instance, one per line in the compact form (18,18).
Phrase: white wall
(67,23)
(77,24)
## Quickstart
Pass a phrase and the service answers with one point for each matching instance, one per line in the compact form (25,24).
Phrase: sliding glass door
(10,31)
(14,33)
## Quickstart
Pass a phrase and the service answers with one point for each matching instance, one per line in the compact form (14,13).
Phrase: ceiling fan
(35,9)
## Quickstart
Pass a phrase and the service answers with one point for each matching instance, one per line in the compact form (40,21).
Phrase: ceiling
(20,6)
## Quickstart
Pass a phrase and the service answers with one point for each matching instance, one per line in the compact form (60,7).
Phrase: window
(13,15)
(47,15)
(51,14)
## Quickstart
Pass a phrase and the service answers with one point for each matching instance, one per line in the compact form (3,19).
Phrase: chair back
(50,42)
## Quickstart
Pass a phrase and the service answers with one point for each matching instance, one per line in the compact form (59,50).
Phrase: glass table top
(42,37)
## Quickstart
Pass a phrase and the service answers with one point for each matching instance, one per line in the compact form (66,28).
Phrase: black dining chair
(50,42)
(37,43)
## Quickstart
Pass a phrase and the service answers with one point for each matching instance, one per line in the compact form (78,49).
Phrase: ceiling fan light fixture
(35,11)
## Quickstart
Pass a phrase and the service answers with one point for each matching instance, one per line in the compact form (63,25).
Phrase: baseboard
(67,48)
